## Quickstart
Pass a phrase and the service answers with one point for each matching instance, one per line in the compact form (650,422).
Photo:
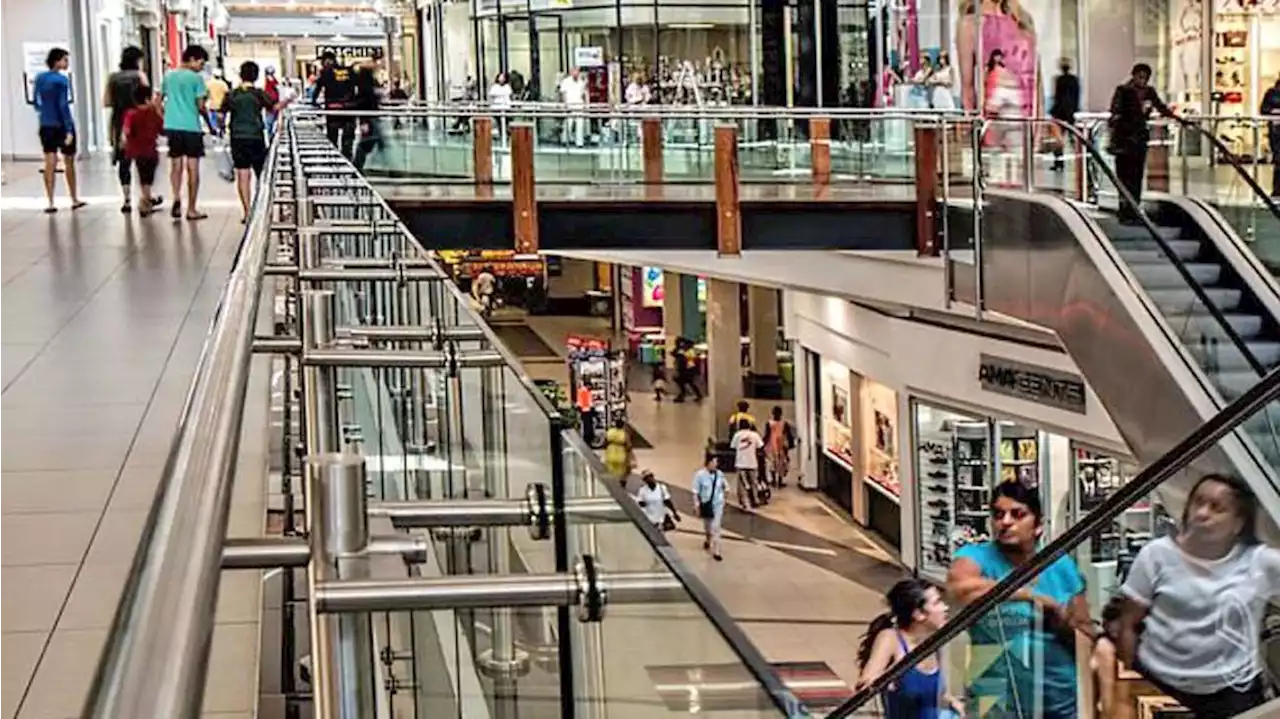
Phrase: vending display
(594,364)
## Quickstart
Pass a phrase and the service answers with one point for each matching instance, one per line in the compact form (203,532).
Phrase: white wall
(29,21)
(934,364)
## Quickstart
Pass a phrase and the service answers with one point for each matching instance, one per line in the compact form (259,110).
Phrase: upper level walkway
(105,317)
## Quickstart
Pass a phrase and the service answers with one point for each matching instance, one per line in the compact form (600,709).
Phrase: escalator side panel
(1043,263)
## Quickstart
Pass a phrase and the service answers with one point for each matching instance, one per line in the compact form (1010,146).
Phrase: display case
(594,365)
(1105,559)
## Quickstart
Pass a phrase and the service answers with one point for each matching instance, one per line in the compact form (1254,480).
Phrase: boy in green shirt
(243,108)
(183,92)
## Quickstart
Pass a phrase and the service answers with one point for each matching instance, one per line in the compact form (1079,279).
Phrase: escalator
(993,654)
(1167,318)
(1176,331)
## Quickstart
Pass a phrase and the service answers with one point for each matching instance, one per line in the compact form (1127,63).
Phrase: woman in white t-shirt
(655,500)
(1193,603)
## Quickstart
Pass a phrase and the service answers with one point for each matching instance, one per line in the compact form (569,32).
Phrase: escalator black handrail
(1173,461)
(1233,160)
(1127,199)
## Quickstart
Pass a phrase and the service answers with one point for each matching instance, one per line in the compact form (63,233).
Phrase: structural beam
(524,201)
(820,150)
(728,215)
(482,150)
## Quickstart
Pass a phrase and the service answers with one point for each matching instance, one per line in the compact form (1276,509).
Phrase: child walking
(659,382)
(244,107)
(143,124)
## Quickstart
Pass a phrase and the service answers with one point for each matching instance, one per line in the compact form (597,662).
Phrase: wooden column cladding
(523,201)
(1158,158)
(820,150)
(728,215)
(482,150)
(927,141)
(651,147)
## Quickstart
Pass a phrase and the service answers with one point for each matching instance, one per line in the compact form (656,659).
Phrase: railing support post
(728,215)
(482,150)
(926,159)
(1158,158)
(523,195)
(820,150)
(651,148)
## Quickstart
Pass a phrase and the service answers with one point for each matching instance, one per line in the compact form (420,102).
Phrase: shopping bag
(222,157)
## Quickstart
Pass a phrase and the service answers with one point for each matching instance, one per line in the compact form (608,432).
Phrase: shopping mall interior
(587,358)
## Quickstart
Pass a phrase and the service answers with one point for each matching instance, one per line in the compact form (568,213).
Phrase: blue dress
(917,694)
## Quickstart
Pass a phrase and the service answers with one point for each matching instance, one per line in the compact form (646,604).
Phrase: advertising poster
(1007,52)
(1187,42)
(651,292)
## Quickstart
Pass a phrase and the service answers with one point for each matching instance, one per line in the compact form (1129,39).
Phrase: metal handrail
(639,112)
(157,653)
(1175,460)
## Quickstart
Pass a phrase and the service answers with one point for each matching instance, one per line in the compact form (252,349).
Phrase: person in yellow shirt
(743,412)
(218,89)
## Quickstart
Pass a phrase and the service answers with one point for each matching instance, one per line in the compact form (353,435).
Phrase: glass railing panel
(650,659)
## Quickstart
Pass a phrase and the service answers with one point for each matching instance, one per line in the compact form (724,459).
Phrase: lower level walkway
(104,317)
(800,578)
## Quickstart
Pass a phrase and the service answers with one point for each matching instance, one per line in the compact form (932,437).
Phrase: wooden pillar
(1158,159)
(820,149)
(524,203)
(482,149)
(651,147)
(728,216)
(926,137)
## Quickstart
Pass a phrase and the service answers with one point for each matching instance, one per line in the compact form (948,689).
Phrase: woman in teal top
(1023,652)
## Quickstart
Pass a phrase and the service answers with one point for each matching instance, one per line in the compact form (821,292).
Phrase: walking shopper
(335,85)
(57,127)
(686,368)
(271,86)
(1194,603)
(1066,103)
(618,455)
(779,440)
(243,109)
(709,488)
(120,97)
(367,101)
(1270,112)
(746,443)
(184,95)
(142,127)
(1131,105)
(654,498)
(916,611)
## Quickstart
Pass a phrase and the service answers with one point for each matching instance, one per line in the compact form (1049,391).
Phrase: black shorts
(249,153)
(54,139)
(185,144)
(146,169)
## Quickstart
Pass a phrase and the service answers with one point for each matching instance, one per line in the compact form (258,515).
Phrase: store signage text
(1042,385)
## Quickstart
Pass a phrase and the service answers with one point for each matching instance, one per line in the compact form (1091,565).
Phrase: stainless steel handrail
(157,653)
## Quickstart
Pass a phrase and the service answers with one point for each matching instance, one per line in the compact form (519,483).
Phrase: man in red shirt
(143,124)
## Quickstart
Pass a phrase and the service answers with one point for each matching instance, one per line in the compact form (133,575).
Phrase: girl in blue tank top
(916,610)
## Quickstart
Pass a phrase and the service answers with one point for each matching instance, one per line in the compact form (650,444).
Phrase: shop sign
(348,54)
(1050,387)
(588,56)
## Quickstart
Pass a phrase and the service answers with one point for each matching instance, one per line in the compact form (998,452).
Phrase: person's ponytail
(879,624)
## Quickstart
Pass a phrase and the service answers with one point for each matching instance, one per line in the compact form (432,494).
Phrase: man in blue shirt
(709,488)
(184,96)
(52,93)
(1023,652)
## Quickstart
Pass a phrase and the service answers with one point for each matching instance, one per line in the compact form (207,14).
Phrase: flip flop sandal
(126,208)
(50,210)
(175,210)
(79,204)
(197,216)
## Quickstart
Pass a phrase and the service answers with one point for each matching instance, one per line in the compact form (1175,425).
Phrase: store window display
(959,459)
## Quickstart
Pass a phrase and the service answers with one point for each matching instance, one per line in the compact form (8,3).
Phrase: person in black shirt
(1131,104)
(367,101)
(335,85)
(1270,111)
(1066,103)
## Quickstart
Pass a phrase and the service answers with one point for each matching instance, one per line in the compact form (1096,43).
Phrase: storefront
(1246,63)
(521,279)
(855,424)
(907,427)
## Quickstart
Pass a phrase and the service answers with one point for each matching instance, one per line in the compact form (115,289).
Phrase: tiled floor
(802,580)
(104,316)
